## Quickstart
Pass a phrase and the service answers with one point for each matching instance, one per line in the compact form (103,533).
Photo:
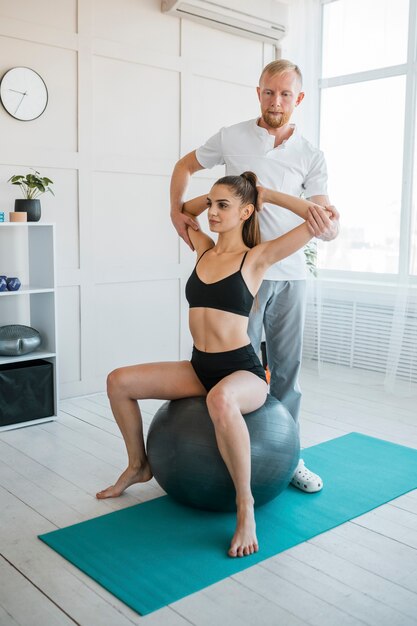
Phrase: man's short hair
(280,67)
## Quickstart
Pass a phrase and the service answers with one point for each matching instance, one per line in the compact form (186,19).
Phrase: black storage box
(26,391)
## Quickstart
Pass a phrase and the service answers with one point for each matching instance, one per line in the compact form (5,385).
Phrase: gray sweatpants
(281,311)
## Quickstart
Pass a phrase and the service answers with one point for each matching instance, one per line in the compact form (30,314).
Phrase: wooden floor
(364,572)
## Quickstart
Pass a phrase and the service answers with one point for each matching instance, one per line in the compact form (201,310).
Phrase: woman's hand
(261,197)
(181,223)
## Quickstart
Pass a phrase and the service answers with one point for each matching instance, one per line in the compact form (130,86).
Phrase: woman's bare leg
(241,392)
(162,381)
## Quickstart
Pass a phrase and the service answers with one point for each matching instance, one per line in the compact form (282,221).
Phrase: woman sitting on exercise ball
(224,367)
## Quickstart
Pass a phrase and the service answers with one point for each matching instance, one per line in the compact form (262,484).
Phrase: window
(361,35)
(367,121)
(413,254)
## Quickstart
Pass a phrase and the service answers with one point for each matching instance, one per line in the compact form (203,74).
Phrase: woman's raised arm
(200,240)
(297,205)
(275,250)
(195,206)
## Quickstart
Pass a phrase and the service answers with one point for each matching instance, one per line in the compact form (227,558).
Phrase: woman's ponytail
(251,233)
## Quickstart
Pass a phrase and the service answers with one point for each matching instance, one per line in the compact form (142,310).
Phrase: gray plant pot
(32,208)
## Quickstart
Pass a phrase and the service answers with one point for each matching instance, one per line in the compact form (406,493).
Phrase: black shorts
(212,367)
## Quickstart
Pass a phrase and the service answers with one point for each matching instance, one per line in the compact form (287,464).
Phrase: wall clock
(23,93)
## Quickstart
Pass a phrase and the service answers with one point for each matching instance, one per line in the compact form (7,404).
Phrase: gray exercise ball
(185,460)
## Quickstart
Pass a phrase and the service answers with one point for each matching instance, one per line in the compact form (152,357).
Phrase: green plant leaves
(32,185)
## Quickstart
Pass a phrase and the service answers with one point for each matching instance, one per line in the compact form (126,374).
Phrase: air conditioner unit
(264,20)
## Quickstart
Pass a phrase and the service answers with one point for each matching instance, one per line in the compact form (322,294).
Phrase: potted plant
(310,252)
(32,186)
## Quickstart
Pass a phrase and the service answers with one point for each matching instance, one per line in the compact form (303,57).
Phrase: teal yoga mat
(155,553)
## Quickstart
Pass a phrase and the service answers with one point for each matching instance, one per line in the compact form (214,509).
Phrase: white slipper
(305,480)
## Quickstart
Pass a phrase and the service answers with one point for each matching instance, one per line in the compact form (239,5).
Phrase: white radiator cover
(362,330)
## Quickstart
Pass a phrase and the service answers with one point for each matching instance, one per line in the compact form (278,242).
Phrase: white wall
(130,90)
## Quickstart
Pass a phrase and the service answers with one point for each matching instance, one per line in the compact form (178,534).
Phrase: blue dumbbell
(13,283)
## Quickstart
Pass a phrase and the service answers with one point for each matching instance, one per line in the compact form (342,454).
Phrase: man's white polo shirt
(295,167)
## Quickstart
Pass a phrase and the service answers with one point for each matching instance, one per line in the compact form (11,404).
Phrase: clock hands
(24,93)
(21,100)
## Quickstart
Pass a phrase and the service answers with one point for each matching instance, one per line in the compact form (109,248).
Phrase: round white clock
(23,93)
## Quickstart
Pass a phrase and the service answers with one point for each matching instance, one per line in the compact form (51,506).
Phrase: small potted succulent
(32,186)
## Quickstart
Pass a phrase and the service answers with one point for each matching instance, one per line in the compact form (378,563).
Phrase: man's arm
(333,229)
(180,180)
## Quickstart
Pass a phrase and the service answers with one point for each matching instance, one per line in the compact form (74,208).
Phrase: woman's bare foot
(244,540)
(129,477)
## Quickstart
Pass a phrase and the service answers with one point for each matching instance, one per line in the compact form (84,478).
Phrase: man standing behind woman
(283,160)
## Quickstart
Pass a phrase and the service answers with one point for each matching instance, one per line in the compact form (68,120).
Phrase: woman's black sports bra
(228,294)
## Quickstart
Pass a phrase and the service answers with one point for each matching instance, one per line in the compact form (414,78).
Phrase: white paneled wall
(64,19)
(135,110)
(145,321)
(130,91)
(69,316)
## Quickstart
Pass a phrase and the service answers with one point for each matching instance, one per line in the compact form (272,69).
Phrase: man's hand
(181,222)
(328,228)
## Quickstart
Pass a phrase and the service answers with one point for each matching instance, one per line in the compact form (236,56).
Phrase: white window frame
(409,70)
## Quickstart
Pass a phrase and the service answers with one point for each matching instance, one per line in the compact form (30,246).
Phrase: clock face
(23,93)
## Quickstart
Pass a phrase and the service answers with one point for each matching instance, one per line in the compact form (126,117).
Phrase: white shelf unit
(27,250)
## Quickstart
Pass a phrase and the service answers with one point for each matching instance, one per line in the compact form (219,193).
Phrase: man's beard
(275,121)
